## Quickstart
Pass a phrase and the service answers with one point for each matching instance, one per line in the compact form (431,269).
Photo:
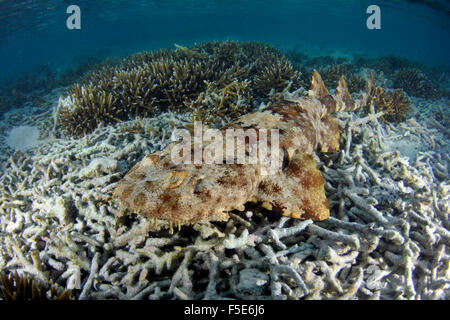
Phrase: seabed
(387,237)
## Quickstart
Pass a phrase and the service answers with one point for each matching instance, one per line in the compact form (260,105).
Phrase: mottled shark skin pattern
(183,193)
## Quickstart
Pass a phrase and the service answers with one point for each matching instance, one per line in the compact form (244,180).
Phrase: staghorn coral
(355,82)
(150,83)
(394,105)
(333,73)
(94,108)
(414,82)
(18,287)
(116,93)
(228,102)
(187,193)
(276,75)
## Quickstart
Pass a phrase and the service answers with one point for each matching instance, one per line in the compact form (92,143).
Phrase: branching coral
(333,73)
(277,75)
(149,83)
(395,104)
(355,82)
(228,102)
(18,287)
(414,82)
(94,108)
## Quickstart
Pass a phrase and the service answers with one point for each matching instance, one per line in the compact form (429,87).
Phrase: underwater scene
(206,150)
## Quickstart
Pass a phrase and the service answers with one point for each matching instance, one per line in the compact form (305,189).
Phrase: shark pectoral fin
(298,191)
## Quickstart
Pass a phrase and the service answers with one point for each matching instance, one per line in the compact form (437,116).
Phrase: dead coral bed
(388,236)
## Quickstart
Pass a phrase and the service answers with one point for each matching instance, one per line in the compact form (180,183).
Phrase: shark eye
(198,186)
(285,162)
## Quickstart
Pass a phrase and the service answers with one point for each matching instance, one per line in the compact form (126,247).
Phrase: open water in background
(34,32)
(35,42)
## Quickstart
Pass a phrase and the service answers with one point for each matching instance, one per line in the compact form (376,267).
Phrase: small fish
(187,193)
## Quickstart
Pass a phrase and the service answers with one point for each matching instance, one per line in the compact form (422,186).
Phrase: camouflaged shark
(187,193)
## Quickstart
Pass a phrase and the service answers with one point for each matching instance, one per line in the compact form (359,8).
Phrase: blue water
(34,32)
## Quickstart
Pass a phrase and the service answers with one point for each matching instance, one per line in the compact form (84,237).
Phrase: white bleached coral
(387,237)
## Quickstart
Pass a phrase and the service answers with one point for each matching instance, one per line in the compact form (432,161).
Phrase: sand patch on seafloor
(28,127)
(406,147)
(23,138)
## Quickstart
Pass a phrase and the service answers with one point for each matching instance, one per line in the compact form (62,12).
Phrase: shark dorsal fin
(370,84)
(342,90)
(366,95)
(343,98)
(318,89)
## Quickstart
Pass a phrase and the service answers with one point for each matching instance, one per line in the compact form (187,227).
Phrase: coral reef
(395,104)
(191,192)
(30,86)
(95,108)
(414,82)
(224,104)
(389,64)
(17,287)
(415,78)
(333,73)
(149,83)
(321,62)
(387,236)
(276,75)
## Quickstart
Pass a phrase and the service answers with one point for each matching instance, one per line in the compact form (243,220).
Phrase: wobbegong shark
(186,193)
